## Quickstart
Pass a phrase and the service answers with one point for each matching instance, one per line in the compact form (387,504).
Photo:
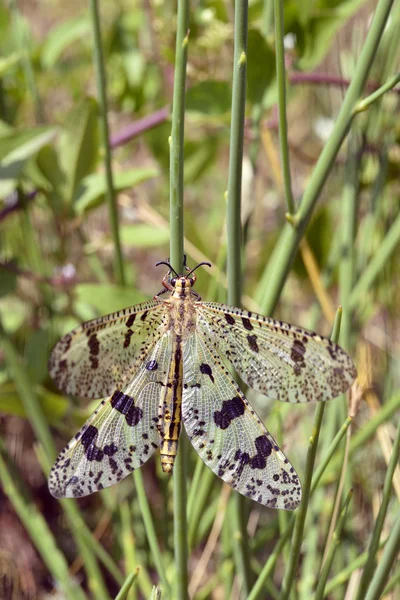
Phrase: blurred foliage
(55,249)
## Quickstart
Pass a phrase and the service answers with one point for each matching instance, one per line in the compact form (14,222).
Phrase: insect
(162,363)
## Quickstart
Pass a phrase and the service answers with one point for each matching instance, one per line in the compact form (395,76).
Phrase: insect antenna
(197,266)
(163,262)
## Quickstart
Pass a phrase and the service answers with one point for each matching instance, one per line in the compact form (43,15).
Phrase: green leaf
(37,354)
(92,189)
(13,313)
(209,98)
(10,61)
(261,67)
(107,298)
(8,282)
(55,407)
(16,148)
(143,235)
(317,26)
(79,145)
(61,37)
(49,176)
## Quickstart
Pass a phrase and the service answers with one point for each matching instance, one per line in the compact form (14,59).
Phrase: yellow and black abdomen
(171,408)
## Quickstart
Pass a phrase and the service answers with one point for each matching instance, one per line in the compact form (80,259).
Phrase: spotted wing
(119,436)
(228,435)
(279,360)
(94,359)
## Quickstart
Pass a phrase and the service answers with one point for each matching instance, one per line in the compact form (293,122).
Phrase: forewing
(119,436)
(228,435)
(279,360)
(94,359)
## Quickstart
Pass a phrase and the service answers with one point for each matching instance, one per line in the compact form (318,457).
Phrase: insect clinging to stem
(162,363)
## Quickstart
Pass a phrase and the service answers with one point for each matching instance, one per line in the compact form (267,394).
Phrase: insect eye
(173,281)
(192,280)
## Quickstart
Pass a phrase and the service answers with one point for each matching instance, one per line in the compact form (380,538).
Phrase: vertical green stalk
(236,153)
(177,137)
(38,530)
(389,555)
(267,17)
(176,258)
(234,234)
(301,513)
(150,530)
(281,78)
(374,544)
(21,38)
(323,577)
(102,95)
(280,261)
(40,426)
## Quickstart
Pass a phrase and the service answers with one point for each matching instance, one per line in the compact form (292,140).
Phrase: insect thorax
(182,313)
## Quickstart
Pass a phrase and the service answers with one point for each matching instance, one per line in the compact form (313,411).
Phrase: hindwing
(229,436)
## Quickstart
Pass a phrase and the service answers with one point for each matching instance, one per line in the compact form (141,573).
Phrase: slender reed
(234,233)
(176,257)
(281,259)
(281,78)
(102,95)
(301,513)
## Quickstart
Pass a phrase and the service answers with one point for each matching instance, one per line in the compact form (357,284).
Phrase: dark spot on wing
(125,405)
(152,365)
(264,449)
(144,315)
(206,370)
(110,449)
(246,323)
(127,339)
(130,320)
(231,409)
(94,349)
(252,341)
(229,319)
(94,345)
(92,452)
(298,351)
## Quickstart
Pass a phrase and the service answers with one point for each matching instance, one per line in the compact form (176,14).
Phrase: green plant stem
(176,258)
(177,138)
(393,582)
(28,397)
(377,264)
(368,431)
(102,96)
(236,507)
(267,17)
(151,531)
(38,530)
(323,578)
(301,514)
(280,261)
(102,555)
(234,232)
(284,537)
(39,424)
(345,575)
(127,542)
(123,592)
(365,103)
(332,447)
(389,555)
(374,545)
(281,79)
